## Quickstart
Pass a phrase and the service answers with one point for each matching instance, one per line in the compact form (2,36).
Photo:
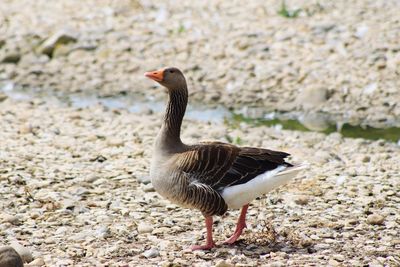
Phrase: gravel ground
(339,57)
(74,191)
(74,186)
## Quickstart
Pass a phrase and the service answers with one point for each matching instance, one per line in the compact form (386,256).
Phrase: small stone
(338,257)
(34,215)
(366,159)
(9,257)
(341,179)
(10,219)
(144,228)
(25,129)
(321,157)
(115,142)
(277,264)
(302,200)
(36,263)
(315,121)
(3,97)
(361,31)
(332,262)
(103,232)
(375,219)
(99,158)
(144,179)
(12,57)
(62,50)
(24,252)
(151,253)
(370,88)
(59,38)
(148,188)
(321,246)
(312,97)
(223,263)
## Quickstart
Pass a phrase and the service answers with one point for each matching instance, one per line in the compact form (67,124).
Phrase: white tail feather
(238,195)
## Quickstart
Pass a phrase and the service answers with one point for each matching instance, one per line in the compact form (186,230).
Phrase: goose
(209,176)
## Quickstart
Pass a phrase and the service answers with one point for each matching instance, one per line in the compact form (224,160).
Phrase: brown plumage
(209,176)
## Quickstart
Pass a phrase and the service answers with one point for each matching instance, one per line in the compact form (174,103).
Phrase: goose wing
(220,165)
(211,167)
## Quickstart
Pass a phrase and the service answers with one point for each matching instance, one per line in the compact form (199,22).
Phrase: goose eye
(171,71)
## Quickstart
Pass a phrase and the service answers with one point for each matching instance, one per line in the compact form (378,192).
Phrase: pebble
(58,38)
(151,253)
(3,97)
(24,252)
(333,262)
(312,97)
(25,129)
(10,219)
(341,179)
(315,121)
(11,57)
(302,200)
(115,142)
(321,157)
(370,88)
(9,257)
(366,159)
(322,246)
(148,188)
(144,228)
(339,257)
(103,232)
(375,219)
(38,262)
(361,31)
(277,264)
(144,179)
(223,263)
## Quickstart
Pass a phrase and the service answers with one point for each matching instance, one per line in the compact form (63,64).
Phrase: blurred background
(317,65)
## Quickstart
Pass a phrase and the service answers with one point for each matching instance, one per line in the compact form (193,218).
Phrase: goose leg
(210,242)
(241,224)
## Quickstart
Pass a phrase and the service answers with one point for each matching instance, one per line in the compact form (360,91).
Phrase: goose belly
(168,186)
(238,195)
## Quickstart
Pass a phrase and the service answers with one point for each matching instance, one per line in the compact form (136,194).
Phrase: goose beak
(157,75)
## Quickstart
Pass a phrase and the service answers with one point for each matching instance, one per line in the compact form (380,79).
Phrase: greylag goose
(209,176)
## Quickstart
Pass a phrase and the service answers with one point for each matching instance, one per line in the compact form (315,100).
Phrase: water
(391,134)
(133,103)
(138,104)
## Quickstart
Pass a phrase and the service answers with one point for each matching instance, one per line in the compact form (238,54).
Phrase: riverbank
(75,191)
(74,186)
(340,59)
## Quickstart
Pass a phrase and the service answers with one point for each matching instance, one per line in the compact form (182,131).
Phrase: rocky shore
(75,191)
(74,185)
(341,58)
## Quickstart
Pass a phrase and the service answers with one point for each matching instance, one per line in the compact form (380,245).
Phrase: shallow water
(138,104)
(133,103)
(391,134)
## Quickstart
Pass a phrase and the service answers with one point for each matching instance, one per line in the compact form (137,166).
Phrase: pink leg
(210,243)
(241,224)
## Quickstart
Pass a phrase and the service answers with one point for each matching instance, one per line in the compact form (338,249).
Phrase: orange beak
(157,75)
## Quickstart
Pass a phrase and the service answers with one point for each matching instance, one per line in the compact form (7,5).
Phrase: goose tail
(239,195)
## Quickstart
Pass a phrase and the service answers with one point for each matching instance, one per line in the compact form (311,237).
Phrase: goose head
(171,78)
